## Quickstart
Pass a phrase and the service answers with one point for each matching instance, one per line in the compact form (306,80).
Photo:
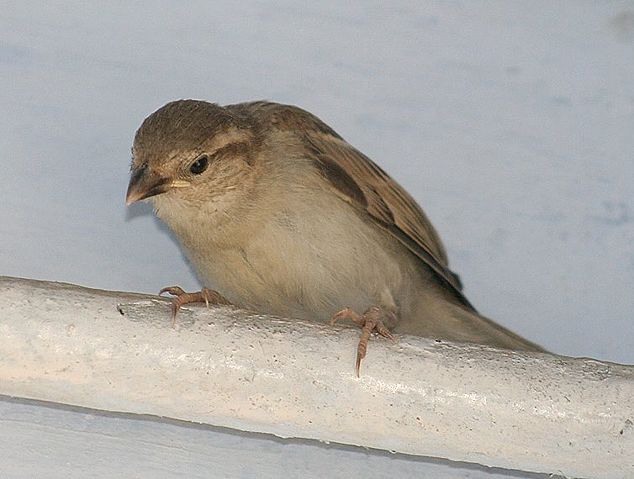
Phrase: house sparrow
(281,215)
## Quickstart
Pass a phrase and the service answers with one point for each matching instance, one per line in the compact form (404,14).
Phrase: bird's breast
(304,261)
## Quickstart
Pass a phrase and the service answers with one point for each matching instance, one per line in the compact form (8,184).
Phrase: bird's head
(191,154)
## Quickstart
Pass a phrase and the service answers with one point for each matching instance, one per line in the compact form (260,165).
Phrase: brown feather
(365,185)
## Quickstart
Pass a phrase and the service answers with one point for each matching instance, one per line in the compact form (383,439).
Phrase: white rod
(226,367)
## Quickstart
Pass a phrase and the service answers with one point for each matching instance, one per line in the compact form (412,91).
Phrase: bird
(279,214)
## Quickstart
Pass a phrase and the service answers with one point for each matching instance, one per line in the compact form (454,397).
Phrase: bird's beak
(144,184)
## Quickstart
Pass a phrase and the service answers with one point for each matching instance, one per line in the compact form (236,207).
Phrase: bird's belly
(308,276)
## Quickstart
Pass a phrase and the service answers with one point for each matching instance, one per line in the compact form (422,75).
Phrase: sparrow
(280,215)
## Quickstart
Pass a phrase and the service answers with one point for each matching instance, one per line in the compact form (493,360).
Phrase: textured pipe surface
(226,367)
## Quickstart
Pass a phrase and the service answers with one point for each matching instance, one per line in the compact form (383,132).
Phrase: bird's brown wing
(364,184)
(361,182)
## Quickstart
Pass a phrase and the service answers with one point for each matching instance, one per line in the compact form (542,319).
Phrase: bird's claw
(370,321)
(181,298)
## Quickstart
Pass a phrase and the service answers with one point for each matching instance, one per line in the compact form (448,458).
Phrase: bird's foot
(181,298)
(370,321)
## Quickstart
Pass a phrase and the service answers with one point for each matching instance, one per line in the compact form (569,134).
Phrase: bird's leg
(371,320)
(207,296)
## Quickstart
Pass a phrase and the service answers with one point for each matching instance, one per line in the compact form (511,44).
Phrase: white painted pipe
(226,367)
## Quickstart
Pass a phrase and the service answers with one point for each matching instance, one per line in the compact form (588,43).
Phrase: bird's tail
(470,326)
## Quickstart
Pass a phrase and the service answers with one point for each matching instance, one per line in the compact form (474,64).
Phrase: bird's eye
(200,165)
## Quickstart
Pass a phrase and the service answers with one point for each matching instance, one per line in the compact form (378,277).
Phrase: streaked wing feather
(387,202)
(365,185)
